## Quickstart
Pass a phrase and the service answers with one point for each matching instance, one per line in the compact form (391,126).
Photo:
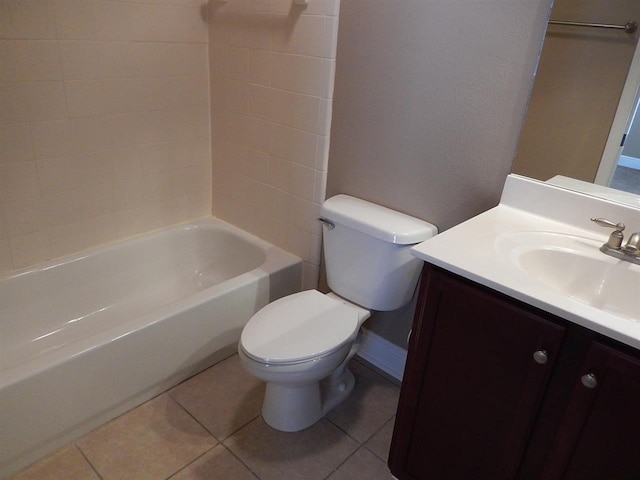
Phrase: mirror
(584,98)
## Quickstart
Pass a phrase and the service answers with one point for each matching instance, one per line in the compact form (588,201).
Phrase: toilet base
(291,408)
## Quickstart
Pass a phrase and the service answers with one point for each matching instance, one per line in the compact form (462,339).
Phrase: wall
(104,124)
(579,82)
(429,100)
(272,66)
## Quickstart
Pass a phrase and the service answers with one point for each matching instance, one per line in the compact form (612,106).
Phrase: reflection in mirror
(581,90)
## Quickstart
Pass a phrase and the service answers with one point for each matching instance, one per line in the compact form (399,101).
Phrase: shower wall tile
(29,249)
(15,144)
(63,208)
(58,175)
(105,126)
(32,19)
(310,38)
(29,61)
(75,19)
(279,173)
(294,145)
(259,67)
(6,262)
(18,181)
(272,65)
(24,216)
(79,59)
(331,35)
(24,102)
(302,181)
(297,73)
(324,7)
(50,139)
(259,100)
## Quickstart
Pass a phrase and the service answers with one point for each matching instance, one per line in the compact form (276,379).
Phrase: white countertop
(471,249)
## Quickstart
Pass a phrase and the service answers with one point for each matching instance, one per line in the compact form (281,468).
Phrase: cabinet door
(599,438)
(469,399)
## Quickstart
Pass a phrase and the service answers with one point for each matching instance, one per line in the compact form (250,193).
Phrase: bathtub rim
(198,222)
(274,257)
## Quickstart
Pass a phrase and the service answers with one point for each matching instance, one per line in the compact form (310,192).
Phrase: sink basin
(539,247)
(574,266)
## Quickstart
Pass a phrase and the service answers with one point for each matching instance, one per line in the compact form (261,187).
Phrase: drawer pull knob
(540,357)
(589,380)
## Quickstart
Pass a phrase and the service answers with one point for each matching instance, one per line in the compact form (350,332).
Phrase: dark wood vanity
(496,389)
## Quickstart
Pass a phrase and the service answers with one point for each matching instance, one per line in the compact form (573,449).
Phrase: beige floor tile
(362,464)
(311,454)
(381,441)
(217,464)
(66,464)
(223,398)
(150,442)
(371,404)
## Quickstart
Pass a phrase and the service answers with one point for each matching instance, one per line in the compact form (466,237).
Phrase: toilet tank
(367,252)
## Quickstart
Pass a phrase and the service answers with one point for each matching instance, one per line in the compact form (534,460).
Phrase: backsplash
(104,126)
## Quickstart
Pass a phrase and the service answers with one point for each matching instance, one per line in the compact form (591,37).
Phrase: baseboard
(383,354)
(629,162)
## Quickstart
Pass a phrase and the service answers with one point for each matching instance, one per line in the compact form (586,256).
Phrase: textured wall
(428,104)
(104,122)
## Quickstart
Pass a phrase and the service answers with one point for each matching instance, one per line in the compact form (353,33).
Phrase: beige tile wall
(104,122)
(272,65)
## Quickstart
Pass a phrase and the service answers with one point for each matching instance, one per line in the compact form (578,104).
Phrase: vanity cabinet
(599,436)
(495,389)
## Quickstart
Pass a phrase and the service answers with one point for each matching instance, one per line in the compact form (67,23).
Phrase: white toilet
(301,344)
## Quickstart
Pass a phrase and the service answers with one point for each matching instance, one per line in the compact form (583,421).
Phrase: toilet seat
(299,327)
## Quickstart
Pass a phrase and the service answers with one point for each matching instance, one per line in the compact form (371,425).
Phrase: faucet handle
(603,222)
(616,237)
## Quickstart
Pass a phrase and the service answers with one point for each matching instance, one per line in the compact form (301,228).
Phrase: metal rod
(629,27)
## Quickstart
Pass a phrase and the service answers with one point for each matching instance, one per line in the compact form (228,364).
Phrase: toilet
(300,344)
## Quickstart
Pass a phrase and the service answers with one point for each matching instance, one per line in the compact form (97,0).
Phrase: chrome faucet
(629,252)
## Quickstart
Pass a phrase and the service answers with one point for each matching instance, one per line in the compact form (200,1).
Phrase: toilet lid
(298,327)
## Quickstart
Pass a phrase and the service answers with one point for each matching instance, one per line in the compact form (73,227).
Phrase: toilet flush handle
(329,224)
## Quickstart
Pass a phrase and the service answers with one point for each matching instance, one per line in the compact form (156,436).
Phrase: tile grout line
(358,444)
(86,459)
(342,463)
(249,469)
(192,461)
(220,442)
(203,426)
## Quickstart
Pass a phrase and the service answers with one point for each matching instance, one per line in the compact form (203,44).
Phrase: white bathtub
(84,339)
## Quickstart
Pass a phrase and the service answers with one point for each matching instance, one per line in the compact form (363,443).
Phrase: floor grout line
(86,459)
(339,430)
(192,461)
(241,461)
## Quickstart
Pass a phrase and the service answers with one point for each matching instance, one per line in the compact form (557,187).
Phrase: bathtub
(88,337)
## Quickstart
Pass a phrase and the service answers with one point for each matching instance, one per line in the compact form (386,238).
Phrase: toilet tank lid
(379,222)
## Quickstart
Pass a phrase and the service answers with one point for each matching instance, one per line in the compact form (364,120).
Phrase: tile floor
(209,427)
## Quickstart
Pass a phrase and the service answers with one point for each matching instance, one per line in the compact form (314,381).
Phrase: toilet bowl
(293,344)
(300,345)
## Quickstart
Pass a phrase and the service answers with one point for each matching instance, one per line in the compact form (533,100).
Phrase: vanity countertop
(539,246)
